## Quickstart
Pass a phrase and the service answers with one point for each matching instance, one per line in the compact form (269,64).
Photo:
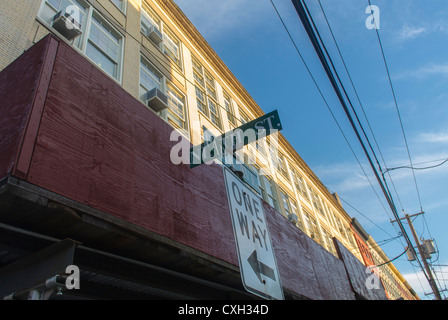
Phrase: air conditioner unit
(66,25)
(156,100)
(155,35)
(293,218)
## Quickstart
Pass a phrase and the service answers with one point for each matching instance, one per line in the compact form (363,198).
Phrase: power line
(306,20)
(326,102)
(359,101)
(414,168)
(396,107)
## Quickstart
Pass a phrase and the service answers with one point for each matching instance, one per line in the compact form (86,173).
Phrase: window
(150,77)
(165,40)
(311,225)
(99,41)
(285,200)
(206,96)
(341,228)
(328,239)
(295,210)
(171,46)
(50,8)
(282,165)
(176,107)
(317,203)
(332,217)
(244,118)
(121,4)
(300,184)
(229,109)
(104,46)
(149,19)
(291,208)
(268,191)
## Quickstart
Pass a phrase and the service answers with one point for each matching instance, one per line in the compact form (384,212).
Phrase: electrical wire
(414,168)
(391,260)
(396,107)
(325,101)
(306,20)
(359,101)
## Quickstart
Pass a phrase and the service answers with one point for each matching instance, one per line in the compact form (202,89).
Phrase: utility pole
(431,281)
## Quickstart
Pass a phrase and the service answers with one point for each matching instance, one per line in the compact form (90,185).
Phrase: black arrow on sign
(260,268)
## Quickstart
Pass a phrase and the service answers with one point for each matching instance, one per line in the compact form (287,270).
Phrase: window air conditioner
(155,35)
(293,218)
(66,25)
(156,100)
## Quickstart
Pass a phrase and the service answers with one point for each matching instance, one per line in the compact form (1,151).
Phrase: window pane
(171,46)
(200,98)
(104,46)
(119,4)
(105,39)
(149,77)
(101,60)
(176,102)
(149,19)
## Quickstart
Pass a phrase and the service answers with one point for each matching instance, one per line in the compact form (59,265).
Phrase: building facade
(149,47)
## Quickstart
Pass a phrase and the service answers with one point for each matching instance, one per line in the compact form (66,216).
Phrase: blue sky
(250,39)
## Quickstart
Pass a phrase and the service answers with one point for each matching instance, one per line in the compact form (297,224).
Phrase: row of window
(103,45)
(101,42)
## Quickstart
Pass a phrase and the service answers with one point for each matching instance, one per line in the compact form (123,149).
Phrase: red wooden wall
(90,141)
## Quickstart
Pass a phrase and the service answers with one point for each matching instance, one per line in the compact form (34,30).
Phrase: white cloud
(408,32)
(424,72)
(420,284)
(434,137)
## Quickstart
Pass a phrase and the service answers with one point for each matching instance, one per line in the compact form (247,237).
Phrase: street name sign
(258,266)
(235,139)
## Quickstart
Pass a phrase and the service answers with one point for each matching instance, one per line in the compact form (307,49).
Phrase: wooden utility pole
(431,280)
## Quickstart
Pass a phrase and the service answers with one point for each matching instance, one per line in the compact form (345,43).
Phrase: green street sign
(235,139)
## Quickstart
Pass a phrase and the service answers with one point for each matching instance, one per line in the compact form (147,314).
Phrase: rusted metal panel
(359,274)
(17,93)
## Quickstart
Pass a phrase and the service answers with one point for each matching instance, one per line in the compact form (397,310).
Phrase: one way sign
(258,266)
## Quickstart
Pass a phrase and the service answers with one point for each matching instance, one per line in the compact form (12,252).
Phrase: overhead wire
(414,168)
(323,97)
(359,100)
(396,106)
(306,17)
(325,100)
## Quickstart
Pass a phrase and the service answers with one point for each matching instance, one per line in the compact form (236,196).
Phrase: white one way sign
(258,266)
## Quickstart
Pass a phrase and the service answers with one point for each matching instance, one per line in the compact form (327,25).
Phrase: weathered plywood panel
(101,147)
(18,83)
(330,273)
(292,254)
(358,275)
